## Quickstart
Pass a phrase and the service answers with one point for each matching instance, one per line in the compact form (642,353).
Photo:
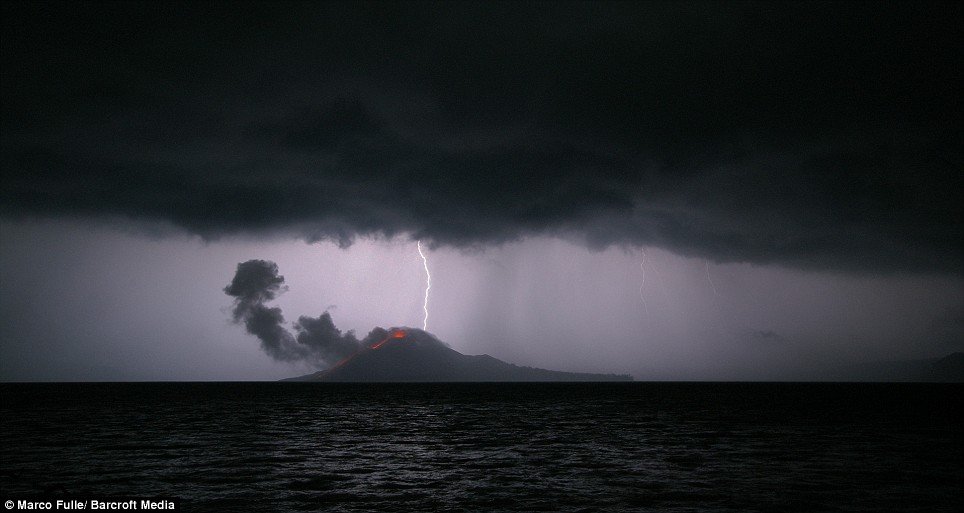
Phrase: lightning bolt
(428,285)
(642,267)
(710,280)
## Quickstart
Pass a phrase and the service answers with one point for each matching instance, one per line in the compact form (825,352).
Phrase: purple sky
(83,301)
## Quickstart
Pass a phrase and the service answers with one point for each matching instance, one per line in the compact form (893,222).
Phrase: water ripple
(490,447)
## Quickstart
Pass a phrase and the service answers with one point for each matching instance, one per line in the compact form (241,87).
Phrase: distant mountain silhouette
(413,355)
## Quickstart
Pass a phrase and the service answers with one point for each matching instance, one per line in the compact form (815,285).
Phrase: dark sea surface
(663,447)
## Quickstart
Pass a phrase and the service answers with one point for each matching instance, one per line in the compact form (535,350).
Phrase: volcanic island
(413,355)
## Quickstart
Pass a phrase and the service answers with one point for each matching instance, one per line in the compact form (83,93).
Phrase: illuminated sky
(803,160)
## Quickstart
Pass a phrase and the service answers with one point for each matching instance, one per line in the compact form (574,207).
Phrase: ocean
(570,447)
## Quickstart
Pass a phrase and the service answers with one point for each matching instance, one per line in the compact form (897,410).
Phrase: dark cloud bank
(807,134)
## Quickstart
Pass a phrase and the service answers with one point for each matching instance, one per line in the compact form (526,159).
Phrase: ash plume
(266,324)
(256,282)
(321,338)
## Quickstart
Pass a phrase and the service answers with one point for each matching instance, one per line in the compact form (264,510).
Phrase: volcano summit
(412,355)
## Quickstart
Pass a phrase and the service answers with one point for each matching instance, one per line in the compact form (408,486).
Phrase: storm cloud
(808,135)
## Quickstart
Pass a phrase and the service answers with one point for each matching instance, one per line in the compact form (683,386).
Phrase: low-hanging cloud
(819,136)
(318,340)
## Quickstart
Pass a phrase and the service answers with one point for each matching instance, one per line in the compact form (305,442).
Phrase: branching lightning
(642,267)
(428,285)
(710,280)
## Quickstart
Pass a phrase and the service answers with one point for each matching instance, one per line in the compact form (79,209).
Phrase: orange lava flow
(395,334)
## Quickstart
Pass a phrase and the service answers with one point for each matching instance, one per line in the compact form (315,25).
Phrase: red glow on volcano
(394,334)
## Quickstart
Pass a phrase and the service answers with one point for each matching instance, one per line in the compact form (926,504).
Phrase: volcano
(414,355)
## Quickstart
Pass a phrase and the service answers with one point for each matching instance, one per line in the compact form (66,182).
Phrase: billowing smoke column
(322,338)
(257,282)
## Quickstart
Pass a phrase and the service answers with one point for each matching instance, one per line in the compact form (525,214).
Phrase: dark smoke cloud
(258,281)
(322,338)
(267,324)
(254,282)
(805,134)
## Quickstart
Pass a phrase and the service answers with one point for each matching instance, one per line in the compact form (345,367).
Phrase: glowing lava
(394,334)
